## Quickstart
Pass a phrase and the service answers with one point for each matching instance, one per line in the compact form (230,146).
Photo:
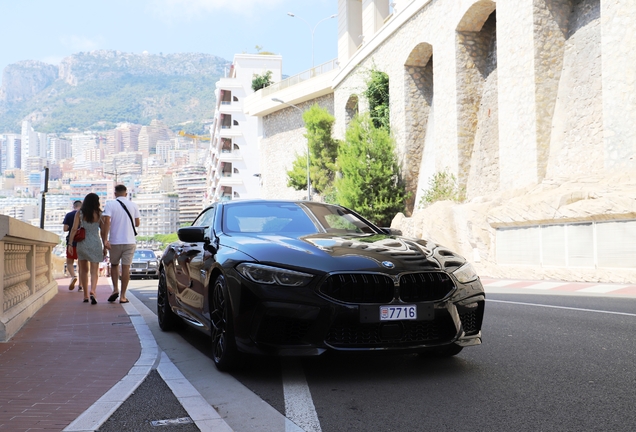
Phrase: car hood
(345,252)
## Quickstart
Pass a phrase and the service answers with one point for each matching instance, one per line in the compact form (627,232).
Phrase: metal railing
(303,76)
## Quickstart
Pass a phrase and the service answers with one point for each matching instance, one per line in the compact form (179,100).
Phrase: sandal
(93,301)
(85,300)
(124,301)
(113,297)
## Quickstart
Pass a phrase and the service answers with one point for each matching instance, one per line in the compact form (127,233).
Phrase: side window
(206,218)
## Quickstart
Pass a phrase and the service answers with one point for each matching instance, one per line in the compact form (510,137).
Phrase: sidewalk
(64,359)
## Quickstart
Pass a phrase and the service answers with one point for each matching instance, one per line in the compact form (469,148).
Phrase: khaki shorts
(123,252)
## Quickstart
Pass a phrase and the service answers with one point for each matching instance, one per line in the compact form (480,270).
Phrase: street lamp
(312,32)
(308,178)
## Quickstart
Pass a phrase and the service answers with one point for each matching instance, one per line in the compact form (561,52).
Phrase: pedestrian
(90,251)
(121,217)
(71,253)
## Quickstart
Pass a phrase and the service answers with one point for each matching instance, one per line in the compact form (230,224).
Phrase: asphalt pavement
(81,367)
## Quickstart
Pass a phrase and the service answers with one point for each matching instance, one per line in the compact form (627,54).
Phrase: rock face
(101,64)
(23,80)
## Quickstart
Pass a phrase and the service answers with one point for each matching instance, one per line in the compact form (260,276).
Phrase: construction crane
(196,139)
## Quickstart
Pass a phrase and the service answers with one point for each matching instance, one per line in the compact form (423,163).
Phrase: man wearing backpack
(121,217)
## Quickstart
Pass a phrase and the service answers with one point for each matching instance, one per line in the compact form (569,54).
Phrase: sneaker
(80,289)
(72,284)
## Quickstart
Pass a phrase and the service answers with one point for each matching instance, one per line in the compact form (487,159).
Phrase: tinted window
(144,255)
(268,218)
(205,218)
(337,219)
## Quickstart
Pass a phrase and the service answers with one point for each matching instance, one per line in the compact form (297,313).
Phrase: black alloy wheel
(168,320)
(224,352)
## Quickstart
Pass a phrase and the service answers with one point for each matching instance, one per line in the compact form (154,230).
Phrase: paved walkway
(64,359)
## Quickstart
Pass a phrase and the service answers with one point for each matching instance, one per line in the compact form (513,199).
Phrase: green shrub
(443,186)
(260,81)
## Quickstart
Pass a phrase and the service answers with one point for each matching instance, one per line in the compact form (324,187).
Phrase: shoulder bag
(129,216)
(81,232)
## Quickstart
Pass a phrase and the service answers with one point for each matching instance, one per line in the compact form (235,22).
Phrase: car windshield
(291,218)
(144,255)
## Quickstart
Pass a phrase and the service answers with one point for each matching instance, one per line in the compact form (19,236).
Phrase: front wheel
(168,320)
(224,352)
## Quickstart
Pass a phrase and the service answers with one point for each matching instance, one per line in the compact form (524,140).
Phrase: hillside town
(155,163)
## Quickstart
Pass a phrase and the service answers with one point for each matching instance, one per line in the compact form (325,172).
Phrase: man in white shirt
(121,217)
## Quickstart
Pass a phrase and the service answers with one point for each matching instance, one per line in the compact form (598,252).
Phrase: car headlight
(152,263)
(465,273)
(263,274)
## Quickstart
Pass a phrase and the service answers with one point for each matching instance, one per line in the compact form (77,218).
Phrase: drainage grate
(170,422)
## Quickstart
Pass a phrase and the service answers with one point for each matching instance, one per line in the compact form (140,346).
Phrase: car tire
(444,351)
(224,353)
(168,320)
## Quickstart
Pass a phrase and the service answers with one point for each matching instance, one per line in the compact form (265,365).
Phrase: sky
(49,30)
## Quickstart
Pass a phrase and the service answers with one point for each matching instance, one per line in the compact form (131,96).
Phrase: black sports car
(299,278)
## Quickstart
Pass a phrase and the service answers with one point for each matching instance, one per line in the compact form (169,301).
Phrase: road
(548,362)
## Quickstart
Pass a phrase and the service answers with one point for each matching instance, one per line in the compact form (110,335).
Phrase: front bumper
(300,321)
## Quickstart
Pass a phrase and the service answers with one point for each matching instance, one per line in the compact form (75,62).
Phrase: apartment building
(159,213)
(233,158)
(10,146)
(150,135)
(190,185)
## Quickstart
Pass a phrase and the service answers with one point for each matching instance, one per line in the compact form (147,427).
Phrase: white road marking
(603,289)
(563,307)
(500,283)
(299,406)
(545,285)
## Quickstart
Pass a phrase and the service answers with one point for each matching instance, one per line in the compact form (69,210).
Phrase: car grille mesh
(472,320)
(139,265)
(430,286)
(411,333)
(376,288)
(282,331)
(359,288)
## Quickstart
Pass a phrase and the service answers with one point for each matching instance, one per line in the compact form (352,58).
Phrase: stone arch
(551,30)
(477,107)
(351,109)
(572,111)
(418,100)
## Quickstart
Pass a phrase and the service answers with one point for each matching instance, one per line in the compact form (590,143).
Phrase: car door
(188,267)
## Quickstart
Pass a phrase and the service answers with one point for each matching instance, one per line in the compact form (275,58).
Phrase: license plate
(398,312)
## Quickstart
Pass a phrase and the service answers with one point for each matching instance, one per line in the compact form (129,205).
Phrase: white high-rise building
(80,144)
(59,149)
(33,144)
(190,185)
(233,158)
(11,151)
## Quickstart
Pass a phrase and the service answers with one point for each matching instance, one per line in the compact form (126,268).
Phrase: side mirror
(192,234)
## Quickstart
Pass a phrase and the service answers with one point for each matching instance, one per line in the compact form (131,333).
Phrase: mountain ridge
(98,89)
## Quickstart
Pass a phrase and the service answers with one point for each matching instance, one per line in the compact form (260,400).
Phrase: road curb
(202,414)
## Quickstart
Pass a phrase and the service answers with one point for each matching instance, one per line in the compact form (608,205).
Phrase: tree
(370,183)
(260,81)
(377,93)
(323,152)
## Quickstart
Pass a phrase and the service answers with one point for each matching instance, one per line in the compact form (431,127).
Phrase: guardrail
(26,273)
(303,76)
